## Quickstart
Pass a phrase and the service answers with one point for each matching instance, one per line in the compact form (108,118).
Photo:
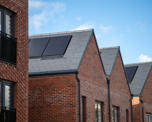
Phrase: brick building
(13,60)
(119,95)
(67,79)
(139,77)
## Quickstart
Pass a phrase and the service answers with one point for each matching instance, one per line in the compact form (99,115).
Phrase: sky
(124,23)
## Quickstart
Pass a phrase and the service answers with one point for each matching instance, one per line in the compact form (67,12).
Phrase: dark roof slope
(140,76)
(70,61)
(108,56)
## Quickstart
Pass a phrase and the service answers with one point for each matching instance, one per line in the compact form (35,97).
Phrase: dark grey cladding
(130,72)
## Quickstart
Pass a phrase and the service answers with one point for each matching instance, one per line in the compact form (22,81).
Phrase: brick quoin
(119,89)
(18,73)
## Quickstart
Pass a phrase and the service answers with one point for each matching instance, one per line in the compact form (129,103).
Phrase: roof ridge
(148,62)
(114,47)
(64,32)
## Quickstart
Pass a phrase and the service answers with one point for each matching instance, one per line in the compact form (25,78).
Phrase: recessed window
(99,111)
(148,117)
(0,20)
(115,114)
(127,115)
(7,39)
(83,109)
(6,21)
(7,94)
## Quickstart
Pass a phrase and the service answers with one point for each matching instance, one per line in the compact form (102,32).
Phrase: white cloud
(105,29)
(44,12)
(78,18)
(36,3)
(38,20)
(84,26)
(144,58)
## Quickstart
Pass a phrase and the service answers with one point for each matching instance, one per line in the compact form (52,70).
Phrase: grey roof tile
(140,77)
(108,56)
(69,61)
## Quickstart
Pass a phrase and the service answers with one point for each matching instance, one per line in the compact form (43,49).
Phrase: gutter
(109,99)
(53,73)
(79,94)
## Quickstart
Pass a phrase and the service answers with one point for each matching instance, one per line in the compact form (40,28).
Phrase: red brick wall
(120,94)
(19,73)
(147,96)
(53,98)
(93,81)
(137,111)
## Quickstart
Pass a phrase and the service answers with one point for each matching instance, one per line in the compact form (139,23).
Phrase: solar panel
(130,72)
(57,45)
(37,46)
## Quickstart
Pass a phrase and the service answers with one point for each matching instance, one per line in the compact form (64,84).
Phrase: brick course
(53,98)
(18,73)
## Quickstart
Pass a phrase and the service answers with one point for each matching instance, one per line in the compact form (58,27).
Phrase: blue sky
(125,23)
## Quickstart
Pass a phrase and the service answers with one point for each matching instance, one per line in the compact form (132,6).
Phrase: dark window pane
(96,108)
(8,24)
(148,117)
(0,20)
(115,112)
(99,111)
(37,46)
(127,115)
(0,94)
(130,72)
(57,46)
(7,95)
(83,109)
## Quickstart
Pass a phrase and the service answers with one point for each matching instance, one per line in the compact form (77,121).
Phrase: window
(6,21)
(83,109)
(99,111)
(148,117)
(0,20)
(7,110)
(115,114)
(7,39)
(127,115)
(7,94)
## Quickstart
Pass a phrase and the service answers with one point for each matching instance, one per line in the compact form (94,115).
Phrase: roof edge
(53,33)
(110,47)
(138,63)
(53,73)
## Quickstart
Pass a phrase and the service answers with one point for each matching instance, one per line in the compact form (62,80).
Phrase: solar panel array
(130,72)
(48,46)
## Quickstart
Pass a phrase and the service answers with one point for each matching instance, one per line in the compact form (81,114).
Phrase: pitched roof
(139,76)
(70,61)
(108,56)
